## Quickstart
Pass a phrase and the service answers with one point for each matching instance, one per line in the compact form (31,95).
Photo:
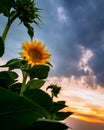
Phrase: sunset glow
(87,103)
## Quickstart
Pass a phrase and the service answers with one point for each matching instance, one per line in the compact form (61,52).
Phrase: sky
(73,31)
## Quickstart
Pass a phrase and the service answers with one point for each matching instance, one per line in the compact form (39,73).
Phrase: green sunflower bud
(26,11)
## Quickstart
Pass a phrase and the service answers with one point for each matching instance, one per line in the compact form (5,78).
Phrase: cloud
(88,26)
(86,103)
(61,14)
(84,29)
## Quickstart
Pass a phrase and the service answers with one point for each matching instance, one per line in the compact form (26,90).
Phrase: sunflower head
(26,11)
(34,53)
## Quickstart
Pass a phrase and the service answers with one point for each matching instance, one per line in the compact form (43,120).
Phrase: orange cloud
(89,118)
(86,103)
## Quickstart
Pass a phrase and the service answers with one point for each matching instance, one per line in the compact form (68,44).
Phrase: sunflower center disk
(35,55)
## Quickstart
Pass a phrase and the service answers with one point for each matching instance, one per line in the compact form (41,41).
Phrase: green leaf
(16,88)
(7,78)
(34,84)
(62,115)
(38,71)
(15,64)
(8,74)
(48,125)
(5,6)
(1,47)
(17,112)
(54,90)
(40,97)
(12,74)
(30,30)
(56,106)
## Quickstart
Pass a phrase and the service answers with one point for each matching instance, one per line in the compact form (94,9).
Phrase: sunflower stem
(23,83)
(8,25)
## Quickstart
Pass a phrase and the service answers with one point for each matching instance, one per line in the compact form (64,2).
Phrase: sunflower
(34,53)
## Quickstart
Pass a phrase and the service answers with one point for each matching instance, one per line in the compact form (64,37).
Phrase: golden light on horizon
(87,119)
(87,103)
(87,114)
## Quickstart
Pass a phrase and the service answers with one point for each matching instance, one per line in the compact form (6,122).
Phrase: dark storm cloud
(88,21)
(56,32)
(85,27)
(97,64)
